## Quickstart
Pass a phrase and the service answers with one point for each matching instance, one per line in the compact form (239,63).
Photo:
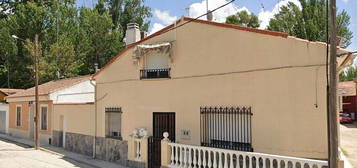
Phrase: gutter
(95,117)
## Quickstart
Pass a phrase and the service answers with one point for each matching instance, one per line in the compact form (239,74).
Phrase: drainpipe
(95,116)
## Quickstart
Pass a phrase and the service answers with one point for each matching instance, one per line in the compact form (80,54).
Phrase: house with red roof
(59,101)
(210,85)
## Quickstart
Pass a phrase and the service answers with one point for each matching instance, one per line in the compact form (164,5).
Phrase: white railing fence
(188,156)
(138,149)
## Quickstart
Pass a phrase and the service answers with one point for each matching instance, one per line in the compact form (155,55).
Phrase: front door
(162,122)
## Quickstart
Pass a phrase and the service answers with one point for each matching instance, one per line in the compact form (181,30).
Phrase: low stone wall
(79,143)
(107,149)
(112,150)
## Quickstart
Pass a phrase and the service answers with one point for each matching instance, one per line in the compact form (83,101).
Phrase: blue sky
(166,11)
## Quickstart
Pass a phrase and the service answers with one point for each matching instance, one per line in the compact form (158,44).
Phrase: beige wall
(23,130)
(24,116)
(79,118)
(280,78)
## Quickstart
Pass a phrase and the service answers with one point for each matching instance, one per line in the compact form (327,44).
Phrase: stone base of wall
(79,143)
(112,150)
(107,149)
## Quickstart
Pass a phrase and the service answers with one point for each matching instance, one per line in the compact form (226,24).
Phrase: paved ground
(17,156)
(76,159)
(349,142)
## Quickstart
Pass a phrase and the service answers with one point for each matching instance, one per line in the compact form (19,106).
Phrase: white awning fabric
(144,49)
(153,46)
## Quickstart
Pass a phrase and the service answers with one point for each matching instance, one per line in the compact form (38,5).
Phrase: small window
(44,113)
(113,122)
(155,66)
(18,115)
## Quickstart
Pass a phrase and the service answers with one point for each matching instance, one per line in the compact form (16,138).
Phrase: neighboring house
(4,108)
(347,91)
(216,85)
(56,100)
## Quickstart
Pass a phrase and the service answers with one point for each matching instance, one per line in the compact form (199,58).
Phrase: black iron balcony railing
(155,73)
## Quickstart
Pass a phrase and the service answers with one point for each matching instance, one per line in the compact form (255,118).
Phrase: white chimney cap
(132,25)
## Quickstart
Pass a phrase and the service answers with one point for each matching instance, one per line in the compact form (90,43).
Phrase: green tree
(97,37)
(61,61)
(309,22)
(243,18)
(349,75)
(8,49)
(28,20)
(129,11)
(72,39)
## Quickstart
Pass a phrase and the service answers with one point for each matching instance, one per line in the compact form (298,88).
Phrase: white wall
(5,107)
(80,93)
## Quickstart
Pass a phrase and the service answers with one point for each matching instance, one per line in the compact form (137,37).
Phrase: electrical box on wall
(185,134)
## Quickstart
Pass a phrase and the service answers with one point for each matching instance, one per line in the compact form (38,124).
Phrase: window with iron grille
(113,122)
(155,66)
(227,127)
(18,115)
(44,114)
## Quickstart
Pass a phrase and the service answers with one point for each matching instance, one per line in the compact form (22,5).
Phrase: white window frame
(16,121)
(43,105)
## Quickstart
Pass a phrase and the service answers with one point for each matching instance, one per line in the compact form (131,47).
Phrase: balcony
(155,73)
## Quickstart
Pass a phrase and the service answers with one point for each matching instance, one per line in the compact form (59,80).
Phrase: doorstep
(64,153)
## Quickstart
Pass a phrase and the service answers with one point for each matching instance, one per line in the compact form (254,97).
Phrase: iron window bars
(112,113)
(155,73)
(226,127)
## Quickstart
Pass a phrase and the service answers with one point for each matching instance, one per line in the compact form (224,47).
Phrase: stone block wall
(107,149)
(112,150)
(79,143)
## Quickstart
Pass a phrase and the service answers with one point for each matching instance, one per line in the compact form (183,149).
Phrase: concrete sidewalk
(64,153)
(348,142)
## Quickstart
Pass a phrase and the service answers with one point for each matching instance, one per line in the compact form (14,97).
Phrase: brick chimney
(132,34)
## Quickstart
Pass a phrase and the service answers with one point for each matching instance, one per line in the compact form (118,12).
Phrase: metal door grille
(162,122)
(226,127)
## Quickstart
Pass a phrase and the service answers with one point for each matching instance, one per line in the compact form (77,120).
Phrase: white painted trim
(180,157)
(43,105)
(18,105)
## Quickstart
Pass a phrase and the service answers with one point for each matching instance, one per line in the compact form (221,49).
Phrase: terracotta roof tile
(10,91)
(51,87)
